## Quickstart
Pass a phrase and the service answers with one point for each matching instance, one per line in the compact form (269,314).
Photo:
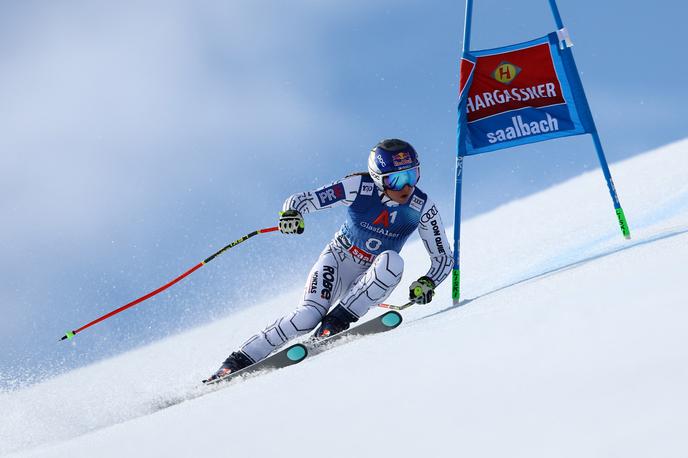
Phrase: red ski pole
(71,334)
(396,307)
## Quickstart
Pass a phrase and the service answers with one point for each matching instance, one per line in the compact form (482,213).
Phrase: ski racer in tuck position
(361,266)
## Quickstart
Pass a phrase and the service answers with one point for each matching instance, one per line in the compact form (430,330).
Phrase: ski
(383,323)
(283,358)
(298,352)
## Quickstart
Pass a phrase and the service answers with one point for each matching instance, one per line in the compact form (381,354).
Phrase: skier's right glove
(422,290)
(291,222)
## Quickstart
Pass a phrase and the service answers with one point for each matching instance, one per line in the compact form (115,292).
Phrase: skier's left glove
(422,290)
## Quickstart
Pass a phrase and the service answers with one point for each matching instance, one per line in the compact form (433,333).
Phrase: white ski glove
(422,290)
(291,222)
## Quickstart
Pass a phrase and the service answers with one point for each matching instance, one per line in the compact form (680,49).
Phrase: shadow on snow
(654,238)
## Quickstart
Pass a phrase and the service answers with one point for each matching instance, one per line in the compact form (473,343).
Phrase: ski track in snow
(569,341)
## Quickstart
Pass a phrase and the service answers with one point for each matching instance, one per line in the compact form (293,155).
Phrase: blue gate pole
(623,224)
(461,141)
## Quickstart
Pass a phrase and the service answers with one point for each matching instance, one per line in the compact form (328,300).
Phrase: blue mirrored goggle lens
(397,180)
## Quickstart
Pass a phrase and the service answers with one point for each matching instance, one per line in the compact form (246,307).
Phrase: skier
(361,266)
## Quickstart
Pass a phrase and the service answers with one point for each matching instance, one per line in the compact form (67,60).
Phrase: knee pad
(376,284)
(389,267)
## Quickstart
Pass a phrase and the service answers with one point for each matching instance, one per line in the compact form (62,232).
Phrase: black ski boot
(339,319)
(234,362)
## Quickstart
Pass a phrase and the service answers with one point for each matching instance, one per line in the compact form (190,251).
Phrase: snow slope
(570,342)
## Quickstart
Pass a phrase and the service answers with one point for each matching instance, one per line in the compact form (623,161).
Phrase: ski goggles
(396,181)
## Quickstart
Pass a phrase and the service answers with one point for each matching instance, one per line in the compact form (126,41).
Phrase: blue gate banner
(519,94)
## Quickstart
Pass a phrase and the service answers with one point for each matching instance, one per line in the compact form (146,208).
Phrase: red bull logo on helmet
(401,159)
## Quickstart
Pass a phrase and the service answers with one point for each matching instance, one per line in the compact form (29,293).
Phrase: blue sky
(138,138)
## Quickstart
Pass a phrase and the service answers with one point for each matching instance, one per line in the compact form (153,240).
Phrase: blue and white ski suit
(361,266)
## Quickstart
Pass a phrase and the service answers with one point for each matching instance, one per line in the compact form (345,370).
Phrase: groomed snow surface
(570,342)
